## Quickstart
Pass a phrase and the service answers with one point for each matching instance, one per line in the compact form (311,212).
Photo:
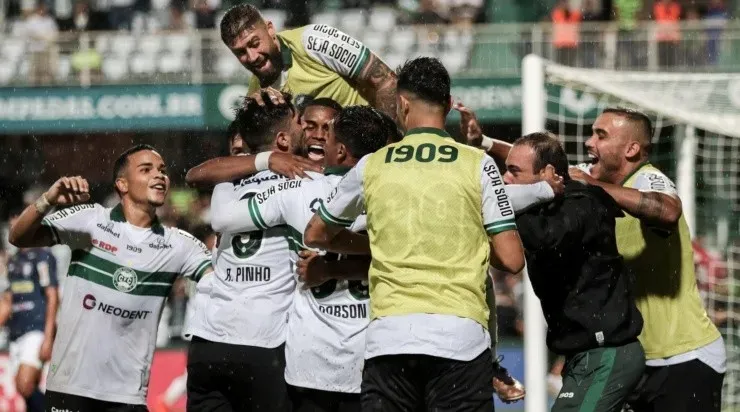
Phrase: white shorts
(25,351)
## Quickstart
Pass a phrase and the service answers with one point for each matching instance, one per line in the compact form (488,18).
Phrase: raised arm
(470,128)
(314,269)
(6,305)
(230,168)
(27,231)
(377,84)
(255,211)
(654,199)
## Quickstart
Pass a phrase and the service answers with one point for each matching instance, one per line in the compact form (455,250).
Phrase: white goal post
(697,138)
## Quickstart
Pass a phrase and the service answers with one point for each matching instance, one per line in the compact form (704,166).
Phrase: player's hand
(557,184)
(68,191)
(311,268)
(275,96)
(578,174)
(45,351)
(292,166)
(469,126)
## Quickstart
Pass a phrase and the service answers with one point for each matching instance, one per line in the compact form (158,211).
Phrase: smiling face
(257,50)
(609,144)
(316,130)
(520,166)
(144,179)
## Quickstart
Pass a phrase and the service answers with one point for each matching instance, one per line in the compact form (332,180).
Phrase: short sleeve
(72,226)
(498,213)
(266,208)
(196,256)
(346,201)
(654,181)
(334,49)
(46,267)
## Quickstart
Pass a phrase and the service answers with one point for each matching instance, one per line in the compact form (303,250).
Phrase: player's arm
(507,253)
(377,84)
(255,211)
(653,200)
(563,230)
(470,128)
(315,269)
(47,270)
(196,257)
(230,168)
(28,230)
(6,300)
(327,229)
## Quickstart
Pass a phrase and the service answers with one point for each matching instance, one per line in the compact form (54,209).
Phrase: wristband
(262,161)
(486,143)
(42,205)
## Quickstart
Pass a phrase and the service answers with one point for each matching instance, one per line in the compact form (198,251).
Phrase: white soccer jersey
(252,287)
(117,283)
(326,330)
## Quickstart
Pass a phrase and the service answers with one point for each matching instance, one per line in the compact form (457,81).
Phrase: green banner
(100,109)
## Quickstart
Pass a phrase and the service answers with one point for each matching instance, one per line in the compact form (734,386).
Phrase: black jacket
(577,272)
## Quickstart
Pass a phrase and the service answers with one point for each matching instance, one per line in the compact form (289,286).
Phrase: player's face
(295,133)
(332,148)
(315,123)
(146,179)
(520,166)
(237,146)
(607,146)
(258,51)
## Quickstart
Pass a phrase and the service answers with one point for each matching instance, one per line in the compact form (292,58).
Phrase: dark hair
(232,131)
(120,164)
(391,128)
(426,78)
(324,102)
(637,116)
(258,124)
(236,20)
(547,151)
(361,129)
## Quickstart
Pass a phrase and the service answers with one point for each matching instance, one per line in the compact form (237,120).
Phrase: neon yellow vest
(430,250)
(320,62)
(665,285)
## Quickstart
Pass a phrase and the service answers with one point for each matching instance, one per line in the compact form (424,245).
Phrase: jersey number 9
(424,153)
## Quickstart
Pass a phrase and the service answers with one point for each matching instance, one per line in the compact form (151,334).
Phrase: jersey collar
(337,170)
(116,215)
(285,54)
(637,169)
(429,130)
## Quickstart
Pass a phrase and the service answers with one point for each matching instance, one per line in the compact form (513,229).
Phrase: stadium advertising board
(100,108)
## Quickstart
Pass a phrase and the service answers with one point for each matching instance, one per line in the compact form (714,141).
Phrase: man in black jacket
(580,279)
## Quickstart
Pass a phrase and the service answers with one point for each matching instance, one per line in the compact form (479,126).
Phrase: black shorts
(57,401)
(314,400)
(427,383)
(224,377)
(686,387)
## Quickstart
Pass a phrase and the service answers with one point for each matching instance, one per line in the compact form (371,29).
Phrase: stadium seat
(138,23)
(227,66)
(143,64)
(154,24)
(23,69)
(13,48)
(115,68)
(375,41)
(352,21)
(329,17)
(122,44)
(394,60)
(455,39)
(64,66)
(177,43)
(382,19)
(277,17)
(454,60)
(404,40)
(7,71)
(150,45)
(172,63)
(102,43)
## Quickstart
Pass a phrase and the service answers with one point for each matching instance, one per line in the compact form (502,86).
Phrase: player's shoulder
(649,177)
(179,237)
(257,181)
(86,209)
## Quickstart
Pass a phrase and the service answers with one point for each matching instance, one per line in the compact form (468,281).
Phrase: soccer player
(236,359)
(33,298)
(315,121)
(581,280)
(685,353)
(437,214)
(326,339)
(315,60)
(123,265)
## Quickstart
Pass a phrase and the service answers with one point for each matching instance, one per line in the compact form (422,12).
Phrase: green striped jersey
(117,282)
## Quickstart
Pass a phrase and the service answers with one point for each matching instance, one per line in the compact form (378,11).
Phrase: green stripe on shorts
(598,383)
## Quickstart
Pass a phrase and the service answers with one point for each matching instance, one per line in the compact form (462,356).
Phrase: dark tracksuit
(580,279)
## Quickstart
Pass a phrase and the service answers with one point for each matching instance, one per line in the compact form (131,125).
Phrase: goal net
(696,142)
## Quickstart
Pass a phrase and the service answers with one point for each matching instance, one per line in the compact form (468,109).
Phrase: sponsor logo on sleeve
(125,279)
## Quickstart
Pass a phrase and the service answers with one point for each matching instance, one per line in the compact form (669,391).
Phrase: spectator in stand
(428,13)
(41,31)
(121,14)
(83,19)
(205,13)
(667,15)
(626,14)
(589,42)
(716,19)
(464,12)
(565,33)
(178,22)
(694,45)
